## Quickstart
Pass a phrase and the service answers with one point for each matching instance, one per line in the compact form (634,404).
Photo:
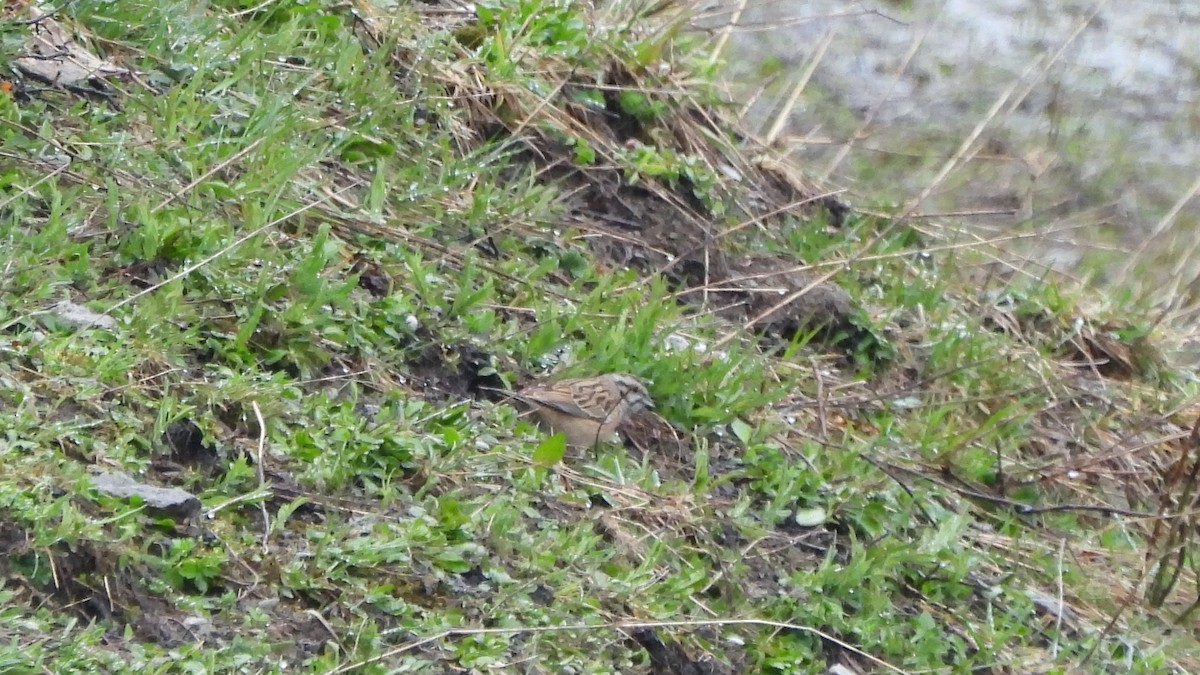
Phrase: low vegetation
(292,259)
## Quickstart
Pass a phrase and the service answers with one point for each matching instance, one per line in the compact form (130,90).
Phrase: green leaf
(285,512)
(741,430)
(810,517)
(306,277)
(550,451)
(452,561)
(450,514)
(701,480)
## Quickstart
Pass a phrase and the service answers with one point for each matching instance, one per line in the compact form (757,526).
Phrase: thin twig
(786,111)
(26,190)
(204,176)
(861,131)
(1061,608)
(969,142)
(723,38)
(237,242)
(262,474)
(460,632)
(1025,509)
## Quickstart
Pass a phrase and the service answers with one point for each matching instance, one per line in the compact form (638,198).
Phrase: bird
(587,410)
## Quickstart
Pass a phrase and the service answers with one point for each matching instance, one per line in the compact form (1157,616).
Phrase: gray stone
(80,317)
(172,502)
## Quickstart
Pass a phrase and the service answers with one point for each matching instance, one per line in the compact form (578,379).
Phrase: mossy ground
(331,236)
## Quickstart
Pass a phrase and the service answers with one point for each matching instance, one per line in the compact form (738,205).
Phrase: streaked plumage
(587,410)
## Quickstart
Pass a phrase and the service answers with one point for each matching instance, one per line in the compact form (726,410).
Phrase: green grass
(325,249)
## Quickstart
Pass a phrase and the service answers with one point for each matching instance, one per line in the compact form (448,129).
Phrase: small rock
(171,502)
(78,316)
(56,56)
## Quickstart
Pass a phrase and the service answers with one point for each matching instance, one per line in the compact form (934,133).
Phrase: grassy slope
(378,246)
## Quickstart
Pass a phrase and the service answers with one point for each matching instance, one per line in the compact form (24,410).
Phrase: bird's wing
(556,399)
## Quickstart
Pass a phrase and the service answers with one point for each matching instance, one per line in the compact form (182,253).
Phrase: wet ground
(1094,136)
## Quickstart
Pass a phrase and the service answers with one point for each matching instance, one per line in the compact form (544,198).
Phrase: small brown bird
(587,410)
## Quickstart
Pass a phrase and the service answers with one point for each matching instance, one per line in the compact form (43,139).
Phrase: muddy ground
(1097,140)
